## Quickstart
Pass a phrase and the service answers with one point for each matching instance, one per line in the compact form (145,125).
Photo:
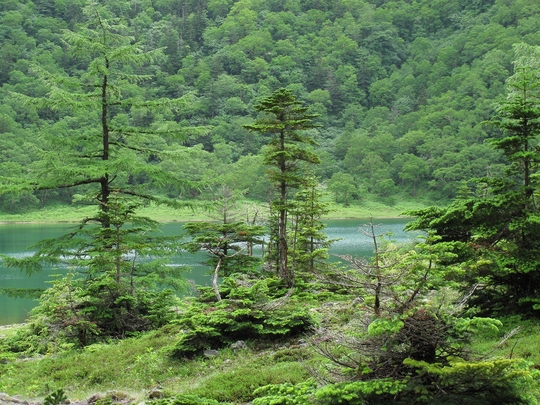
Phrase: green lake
(17,239)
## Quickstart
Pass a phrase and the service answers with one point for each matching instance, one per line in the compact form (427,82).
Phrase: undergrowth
(282,367)
(252,311)
(137,365)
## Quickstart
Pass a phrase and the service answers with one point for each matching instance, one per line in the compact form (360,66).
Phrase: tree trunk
(283,248)
(215,279)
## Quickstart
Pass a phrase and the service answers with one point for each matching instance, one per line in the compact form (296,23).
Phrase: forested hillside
(401,88)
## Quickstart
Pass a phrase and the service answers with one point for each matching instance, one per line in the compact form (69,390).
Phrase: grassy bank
(373,209)
(75,214)
(366,209)
(135,367)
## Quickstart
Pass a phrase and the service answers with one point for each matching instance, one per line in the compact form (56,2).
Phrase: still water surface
(16,239)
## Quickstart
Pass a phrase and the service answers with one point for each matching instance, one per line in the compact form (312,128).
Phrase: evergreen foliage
(393,95)
(111,166)
(284,116)
(229,241)
(225,244)
(500,381)
(248,310)
(55,398)
(495,230)
(309,243)
(401,99)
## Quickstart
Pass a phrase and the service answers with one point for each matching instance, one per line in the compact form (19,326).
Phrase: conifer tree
(107,150)
(309,242)
(496,232)
(111,163)
(283,119)
(228,240)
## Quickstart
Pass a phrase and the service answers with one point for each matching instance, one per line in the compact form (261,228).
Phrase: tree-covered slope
(402,88)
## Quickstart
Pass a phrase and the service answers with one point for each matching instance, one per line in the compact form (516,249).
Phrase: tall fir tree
(496,232)
(111,162)
(309,241)
(283,119)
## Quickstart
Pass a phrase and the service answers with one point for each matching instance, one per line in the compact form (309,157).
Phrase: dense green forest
(118,104)
(401,88)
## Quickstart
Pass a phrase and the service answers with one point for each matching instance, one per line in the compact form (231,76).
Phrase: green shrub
(55,398)
(494,382)
(286,394)
(497,381)
(185,400)
(307,393)
(242,314)
(68,316)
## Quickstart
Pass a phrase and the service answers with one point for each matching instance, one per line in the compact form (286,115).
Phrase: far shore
(12,326)
(71,214)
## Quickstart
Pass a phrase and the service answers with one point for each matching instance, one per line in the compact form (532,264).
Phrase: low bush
(68,317)
(186,400)
(248,310)
(494,382)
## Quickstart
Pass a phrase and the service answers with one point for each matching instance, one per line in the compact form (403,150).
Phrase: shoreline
(12,325)
(73,215)
(53,222)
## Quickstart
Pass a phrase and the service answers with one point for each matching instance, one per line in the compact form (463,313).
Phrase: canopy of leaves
(401,88)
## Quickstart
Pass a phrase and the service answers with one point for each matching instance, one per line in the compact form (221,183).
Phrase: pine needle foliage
(494,229)
(110,160)
(283,119)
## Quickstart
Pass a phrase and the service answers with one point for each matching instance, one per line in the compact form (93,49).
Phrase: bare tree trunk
(378,275)
(215,279)
(283,249)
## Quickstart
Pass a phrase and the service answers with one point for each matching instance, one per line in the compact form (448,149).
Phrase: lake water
(15,240)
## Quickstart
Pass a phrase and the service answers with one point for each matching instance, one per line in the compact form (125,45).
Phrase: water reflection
(352,241)
(16,238)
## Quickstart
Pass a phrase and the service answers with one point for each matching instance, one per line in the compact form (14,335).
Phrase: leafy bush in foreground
(246,312)
(68,316)
(186,400)
(499,381)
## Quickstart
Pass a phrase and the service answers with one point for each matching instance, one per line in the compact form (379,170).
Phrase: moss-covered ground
(139,365)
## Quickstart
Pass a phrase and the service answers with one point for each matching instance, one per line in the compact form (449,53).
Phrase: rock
(115,397)
(156,393)
(211,353)
(5,399)
(94,398)
(239,345)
